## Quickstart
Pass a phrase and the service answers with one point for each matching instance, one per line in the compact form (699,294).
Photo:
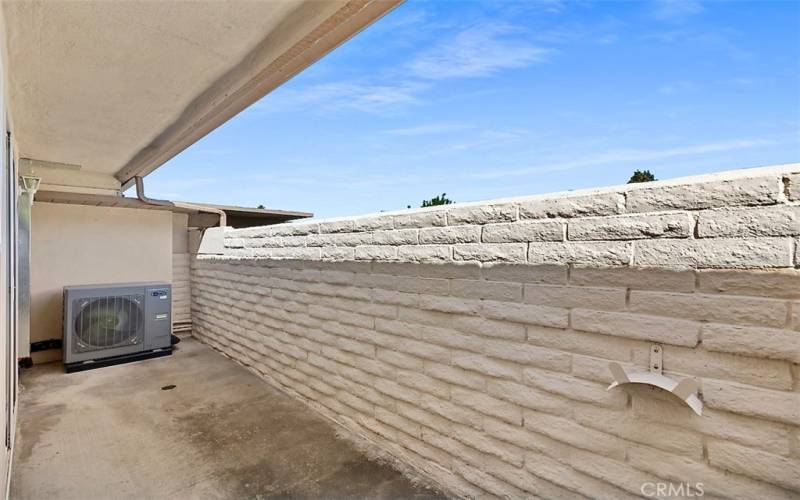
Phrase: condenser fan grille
(107,322)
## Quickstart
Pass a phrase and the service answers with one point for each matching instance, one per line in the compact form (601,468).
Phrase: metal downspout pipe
(223,218)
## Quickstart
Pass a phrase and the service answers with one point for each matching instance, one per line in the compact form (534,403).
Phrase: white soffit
(121,87)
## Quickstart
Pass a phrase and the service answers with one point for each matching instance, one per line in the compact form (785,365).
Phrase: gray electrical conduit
(223,219)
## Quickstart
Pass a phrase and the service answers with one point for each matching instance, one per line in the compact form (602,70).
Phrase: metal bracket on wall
(685,390)
(656,359)
(29,185)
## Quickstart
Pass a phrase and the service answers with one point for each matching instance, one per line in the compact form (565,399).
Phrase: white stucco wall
(81,245)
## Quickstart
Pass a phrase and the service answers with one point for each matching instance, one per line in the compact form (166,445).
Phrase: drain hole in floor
(168,387)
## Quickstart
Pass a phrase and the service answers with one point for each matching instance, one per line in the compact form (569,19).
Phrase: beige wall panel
(79,245)
(180,233)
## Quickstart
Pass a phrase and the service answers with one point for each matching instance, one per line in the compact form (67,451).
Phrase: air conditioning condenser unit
(110,324)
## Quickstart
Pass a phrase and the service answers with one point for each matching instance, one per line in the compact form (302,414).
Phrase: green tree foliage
(642,176)
(262,207)
(437,200)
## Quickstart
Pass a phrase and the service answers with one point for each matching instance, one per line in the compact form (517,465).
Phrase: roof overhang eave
(234,92)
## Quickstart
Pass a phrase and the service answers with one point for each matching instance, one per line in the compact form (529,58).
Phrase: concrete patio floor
(220,433)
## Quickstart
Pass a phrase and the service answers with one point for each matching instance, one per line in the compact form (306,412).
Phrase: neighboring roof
(119,88)
(237,216)
(256,212)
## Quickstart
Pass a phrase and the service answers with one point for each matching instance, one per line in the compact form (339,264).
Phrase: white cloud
(476,52)
(367,97)
(626,156)
(551,5)
(486,138)
(214,151)
(672,88)
(676,10)
(428,129)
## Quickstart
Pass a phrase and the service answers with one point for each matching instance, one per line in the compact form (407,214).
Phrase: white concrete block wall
(472,343)
(744,219)
(181,289)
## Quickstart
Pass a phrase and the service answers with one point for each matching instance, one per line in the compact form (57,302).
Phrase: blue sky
(484,100)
